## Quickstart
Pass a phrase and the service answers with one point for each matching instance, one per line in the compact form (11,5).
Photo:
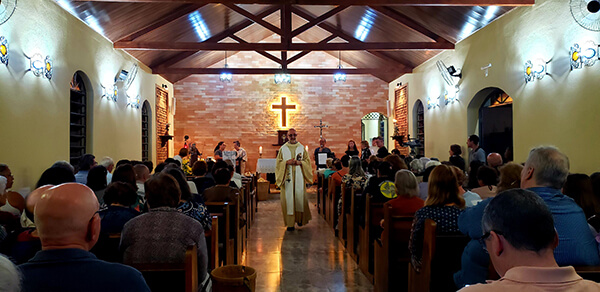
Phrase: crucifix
(283,107)
(321,126)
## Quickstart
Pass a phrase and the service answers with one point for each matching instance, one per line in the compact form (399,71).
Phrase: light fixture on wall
(535,70)
(339,76)
(40,66)
(226,76)
(3,50)
(433,102)
(450,96)
(586,55)
(133,102)
(110,94)
(283,78)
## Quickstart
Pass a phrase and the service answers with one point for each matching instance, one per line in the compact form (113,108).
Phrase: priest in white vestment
(293,172)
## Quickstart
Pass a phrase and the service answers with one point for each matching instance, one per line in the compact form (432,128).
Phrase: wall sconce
(40,66)
(450,96)
(3,50)
(112,95)
(133,102)
(536,70)
(283,78)
(433,102)
(585,55)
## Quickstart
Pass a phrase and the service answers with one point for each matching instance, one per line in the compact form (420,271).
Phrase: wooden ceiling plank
(263,53)
(192,46)
(401,67)
(263,71)
(218,37)
(408,22)
(319,19)
(170,17)
(304,53)
(256,19)
(347,2)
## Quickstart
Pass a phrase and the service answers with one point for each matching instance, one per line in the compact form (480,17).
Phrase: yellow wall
(34,112)
(559,110)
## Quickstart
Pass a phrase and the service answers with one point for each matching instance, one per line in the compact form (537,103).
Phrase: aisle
(307,259)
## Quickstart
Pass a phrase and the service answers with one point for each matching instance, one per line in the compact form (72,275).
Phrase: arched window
(419,117)
(146,131)
(78,119)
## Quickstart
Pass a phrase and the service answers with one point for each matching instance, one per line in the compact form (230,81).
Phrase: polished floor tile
(310,258)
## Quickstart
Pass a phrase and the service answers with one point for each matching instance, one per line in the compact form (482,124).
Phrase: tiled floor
(310,258)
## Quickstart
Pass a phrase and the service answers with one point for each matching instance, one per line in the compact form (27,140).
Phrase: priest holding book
(293,172)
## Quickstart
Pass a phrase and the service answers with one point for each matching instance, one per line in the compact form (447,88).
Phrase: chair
(391,253)
(169,276)
(440,260)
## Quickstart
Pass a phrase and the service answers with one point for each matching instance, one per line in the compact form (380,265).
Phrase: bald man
(68,226)
(494,160)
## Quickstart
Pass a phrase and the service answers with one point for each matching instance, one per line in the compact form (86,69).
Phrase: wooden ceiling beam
(264,71)
(170,17)
(374,46)
(286,27)
(346,2)
(304,53)
(263,53)
(256,19)
(321,18)
(330,28)
(408,22)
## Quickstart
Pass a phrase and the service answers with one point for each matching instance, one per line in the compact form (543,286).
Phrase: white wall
(34,112)
(559,109)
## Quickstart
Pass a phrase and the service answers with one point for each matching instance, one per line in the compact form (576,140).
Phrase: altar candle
(306,147)
(260,149)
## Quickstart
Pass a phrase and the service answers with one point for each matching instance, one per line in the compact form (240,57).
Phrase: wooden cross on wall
(321,126)
(283,107)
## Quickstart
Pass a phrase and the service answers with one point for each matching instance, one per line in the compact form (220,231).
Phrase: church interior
(142,79)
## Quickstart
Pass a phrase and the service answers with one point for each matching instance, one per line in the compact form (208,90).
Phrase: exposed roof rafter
(347,2)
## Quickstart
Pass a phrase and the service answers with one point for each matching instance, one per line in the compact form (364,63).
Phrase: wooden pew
(164,276)
(352,226)
(212,243)
(342,219)
(440,260)
(366,235)
(334,196)
(107,248)
(230,234)
(324,203)
(391,253)
(591,273)
(320,178)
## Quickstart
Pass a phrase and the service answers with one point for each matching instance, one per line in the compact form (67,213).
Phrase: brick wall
(161,123)
(210,111)
(401,116)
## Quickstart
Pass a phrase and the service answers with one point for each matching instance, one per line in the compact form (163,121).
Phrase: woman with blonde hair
(407,201)
(443,205)
(510,177)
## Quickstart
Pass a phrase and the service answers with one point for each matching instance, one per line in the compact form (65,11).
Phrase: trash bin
(233,278)
(263,190)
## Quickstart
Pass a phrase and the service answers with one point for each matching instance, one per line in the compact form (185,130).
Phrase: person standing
(240,158)
(322,149)
(293,172)
(477,154)
(352,149)
(382,152)
(219,151)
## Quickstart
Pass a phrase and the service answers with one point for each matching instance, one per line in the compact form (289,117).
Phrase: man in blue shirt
(545,173)
(68,226)
(477,153)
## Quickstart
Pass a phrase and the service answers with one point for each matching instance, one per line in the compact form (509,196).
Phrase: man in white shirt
(241,157)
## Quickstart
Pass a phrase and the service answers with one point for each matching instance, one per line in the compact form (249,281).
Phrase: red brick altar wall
(401,115)
(210,111)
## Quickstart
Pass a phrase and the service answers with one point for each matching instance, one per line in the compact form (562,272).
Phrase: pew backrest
(160,276)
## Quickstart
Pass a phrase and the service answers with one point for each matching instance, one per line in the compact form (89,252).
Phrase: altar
(266,165)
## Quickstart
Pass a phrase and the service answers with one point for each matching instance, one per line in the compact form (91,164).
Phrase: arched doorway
(490,117)
(80,120)
(146,126)
(374,125)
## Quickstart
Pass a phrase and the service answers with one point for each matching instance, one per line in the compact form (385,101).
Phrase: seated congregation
(419,224)
(110,227)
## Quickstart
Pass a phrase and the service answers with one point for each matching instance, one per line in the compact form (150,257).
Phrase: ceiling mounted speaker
(586,13)
(7,8)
